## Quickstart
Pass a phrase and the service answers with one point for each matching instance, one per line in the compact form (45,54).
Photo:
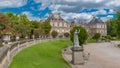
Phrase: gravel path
(102,55)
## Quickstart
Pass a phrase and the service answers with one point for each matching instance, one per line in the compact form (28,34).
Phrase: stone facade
(96,25)
(58,24)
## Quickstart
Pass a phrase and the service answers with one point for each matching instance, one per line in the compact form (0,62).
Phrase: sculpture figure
(76,40)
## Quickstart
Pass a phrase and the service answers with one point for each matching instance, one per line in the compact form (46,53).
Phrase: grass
(43,55)
(90,40)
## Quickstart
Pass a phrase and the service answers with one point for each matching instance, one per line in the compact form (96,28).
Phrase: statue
(77,51)
(76,41)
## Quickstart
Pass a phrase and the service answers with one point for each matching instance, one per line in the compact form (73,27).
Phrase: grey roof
(96,20)
(52,16)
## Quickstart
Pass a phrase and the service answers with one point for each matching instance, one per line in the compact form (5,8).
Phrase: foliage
(111,27)
(114,26)
(106,38)
(54,34)
(4,21)
(119,45)
(43,55)
(37,32)
(1,44)
(46,27)
(66,35)
(24,30)
(90,40)
(118,25)
(36,24)
(109,37)
(96,36)
(36,28)
(82,36)
(60,36)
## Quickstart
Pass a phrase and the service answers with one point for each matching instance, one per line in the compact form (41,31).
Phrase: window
(58,30)
(55,23)
(63,30)
(58,24)
(62,24)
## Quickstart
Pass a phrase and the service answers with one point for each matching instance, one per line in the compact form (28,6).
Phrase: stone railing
(7,52)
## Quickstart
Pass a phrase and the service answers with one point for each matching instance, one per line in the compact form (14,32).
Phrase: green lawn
(91,40)
(43,55)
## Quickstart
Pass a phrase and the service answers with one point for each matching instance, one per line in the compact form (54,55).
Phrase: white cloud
(100,11)
(112,11)
(30,16)
(12,3)
(107,18)
(70,8)
(113,3)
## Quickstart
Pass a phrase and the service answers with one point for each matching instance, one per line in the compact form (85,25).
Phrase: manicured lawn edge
(45,57)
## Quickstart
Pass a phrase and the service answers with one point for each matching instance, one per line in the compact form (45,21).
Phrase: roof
(96,20)
(74,21)
(55,16)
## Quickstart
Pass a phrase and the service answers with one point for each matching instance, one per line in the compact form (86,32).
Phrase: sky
(82,10)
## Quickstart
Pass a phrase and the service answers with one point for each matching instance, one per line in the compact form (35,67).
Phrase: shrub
(54,34)
(90,40)
(119,45)
(82,36)
(1,44)
(66,35)
(96,36)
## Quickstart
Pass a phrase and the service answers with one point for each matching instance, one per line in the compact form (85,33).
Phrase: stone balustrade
(7,52)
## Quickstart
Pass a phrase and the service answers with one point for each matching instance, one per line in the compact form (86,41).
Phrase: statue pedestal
(77,55)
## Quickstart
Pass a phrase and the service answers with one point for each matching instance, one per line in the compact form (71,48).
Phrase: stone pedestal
(77,55)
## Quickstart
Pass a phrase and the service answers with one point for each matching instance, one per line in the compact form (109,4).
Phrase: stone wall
(7,52)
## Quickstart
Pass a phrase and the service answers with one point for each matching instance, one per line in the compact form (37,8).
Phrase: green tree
(23,29)
(96,36)
(36,28)
(118,24)
(111,27)
(54,34)
(82,36)
(4,21)
(46,27)
(66,35)
(36,24)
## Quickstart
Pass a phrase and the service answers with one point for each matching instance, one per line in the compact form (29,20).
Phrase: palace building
(58,23)
(96,25)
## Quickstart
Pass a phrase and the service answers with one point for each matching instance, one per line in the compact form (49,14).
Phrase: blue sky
(69,9)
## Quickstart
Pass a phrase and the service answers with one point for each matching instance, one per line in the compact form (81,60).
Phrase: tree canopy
(20,24)
(82,36)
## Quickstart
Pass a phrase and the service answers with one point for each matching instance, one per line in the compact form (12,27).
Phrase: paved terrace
(102,55)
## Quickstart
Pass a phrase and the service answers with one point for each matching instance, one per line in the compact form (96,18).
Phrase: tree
(46,27)
(111,27)
(24,30)
(54,34)
(82,36)
(118,25)
(96,36)
(36,24)
(4,21)
(66,35)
